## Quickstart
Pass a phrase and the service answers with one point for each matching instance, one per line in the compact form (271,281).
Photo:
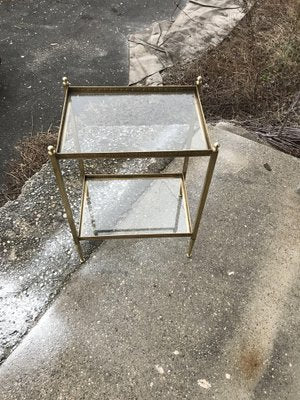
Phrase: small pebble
(268,167)
(159,369)
(204,383)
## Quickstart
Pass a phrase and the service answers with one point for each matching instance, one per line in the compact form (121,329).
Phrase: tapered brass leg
(65,200)
(190,249)
(79,251)
(208,177)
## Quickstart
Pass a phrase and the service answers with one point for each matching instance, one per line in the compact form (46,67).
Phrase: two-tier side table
(133,123)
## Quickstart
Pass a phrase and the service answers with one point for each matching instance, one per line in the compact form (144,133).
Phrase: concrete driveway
(141,321)
(41,41)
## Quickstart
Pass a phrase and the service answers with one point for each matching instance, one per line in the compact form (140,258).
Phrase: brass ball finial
(65,81)
(199,80)
(51,150)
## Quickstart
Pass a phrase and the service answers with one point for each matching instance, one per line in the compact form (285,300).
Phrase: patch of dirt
(251,363)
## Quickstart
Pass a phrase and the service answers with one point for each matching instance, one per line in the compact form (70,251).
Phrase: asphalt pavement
(42,41)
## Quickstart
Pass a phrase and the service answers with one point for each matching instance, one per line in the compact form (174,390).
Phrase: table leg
(65,200)
(207,181)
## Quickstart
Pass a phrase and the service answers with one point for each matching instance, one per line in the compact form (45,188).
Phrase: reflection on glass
(133,206)
(98,123)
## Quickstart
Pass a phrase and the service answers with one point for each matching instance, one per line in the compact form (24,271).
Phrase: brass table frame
(212,152)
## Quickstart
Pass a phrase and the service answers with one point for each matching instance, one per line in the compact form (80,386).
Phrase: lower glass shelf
(134,206)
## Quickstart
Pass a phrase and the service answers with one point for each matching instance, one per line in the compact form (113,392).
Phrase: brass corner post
(65,200)
(207,181)
(66,85)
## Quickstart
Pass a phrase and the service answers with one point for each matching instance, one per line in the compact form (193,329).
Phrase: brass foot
(190,249)
(80,253)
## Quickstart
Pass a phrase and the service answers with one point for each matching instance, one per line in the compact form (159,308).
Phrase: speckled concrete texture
(141,321)
(36,250)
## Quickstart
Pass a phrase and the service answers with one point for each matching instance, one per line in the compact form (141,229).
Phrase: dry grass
(32,154)
(254,73)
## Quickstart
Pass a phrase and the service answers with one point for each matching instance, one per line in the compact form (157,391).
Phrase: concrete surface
(141,321)
(44,40)
(36,249)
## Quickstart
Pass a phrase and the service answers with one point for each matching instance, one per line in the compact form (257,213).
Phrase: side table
(133,123)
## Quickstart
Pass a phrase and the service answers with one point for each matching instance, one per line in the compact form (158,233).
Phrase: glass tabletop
(131,122)
(133,206)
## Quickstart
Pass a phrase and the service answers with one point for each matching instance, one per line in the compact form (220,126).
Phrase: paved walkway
(141,321)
